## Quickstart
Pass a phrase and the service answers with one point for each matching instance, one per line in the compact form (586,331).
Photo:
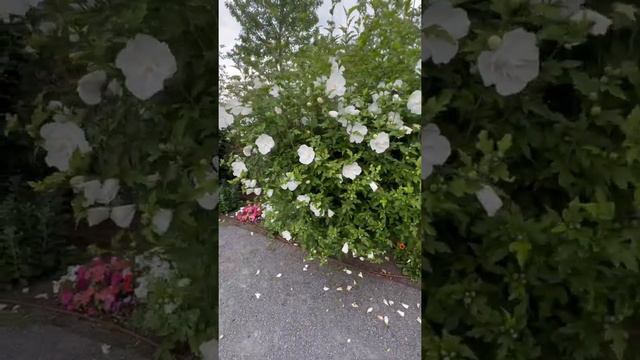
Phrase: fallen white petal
(279,275)
(385,302)
(386,320)
(348,287)
(369,310)
(347,271)
(418,305)
(360,274)
(380,317)
(339,289)
(105,348)
(404,305)
(354,305)
(258,272)
(401,313)
(221,336)
(419,320)
(42,296)
(258,295)
(390,302)
(325,288)
(348,340)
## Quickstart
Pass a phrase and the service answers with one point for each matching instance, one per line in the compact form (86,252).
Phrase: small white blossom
(489,199)
(335,85)
(286,235)
(303,198)
(345,248)
(161,221)
(146,63)
(123,215)
(277,110)
(224,118)
(373,186)
(452,20)
(600,22)
(435,149)
(265,143)
(238,168)
(351,171)
(275,91)
(414,104)
(306,154)
(380,142)
(61,140)
(90,87)
(356,132)
(333,114)
(513,65)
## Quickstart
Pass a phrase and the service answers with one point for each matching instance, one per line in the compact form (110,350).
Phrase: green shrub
(33,229)
(229,198)
(306,138)
(550,271)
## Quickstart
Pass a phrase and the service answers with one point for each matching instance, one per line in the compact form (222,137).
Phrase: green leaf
(521,248)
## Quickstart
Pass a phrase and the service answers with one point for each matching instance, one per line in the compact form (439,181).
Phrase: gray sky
(230,29)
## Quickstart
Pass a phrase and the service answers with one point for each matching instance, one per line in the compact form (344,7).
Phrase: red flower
(402,246)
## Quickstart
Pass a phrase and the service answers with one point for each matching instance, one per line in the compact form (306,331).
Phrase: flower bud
(494,42)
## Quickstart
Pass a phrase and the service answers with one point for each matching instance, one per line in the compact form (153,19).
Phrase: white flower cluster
(153,266)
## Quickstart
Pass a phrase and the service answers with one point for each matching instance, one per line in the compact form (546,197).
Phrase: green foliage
(160,149)
(379,53)
(34,226)
(554,274)
(229,198)
(271,32)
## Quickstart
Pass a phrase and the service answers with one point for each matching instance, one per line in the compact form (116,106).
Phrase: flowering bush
(530,199)
(127,123)
(330,146)
(98,287)
(251,213)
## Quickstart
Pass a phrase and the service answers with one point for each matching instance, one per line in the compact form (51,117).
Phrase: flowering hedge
(127,124)
(330,146)
(532,110)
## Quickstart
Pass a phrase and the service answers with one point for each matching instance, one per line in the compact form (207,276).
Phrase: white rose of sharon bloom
(291,185)
(209,350)
(335,85)
(238,168)
(435,149)
(161,221)
(414,104)
(356,132)
(265,143)
(373,186)
(303,198)
(60,141)
(333,114)
(123,215)
(513,65)
(351,171)
(90,87)
(600,22)
(345,248)
(489,199)
(146,63)
(306,154)
(108,191)
(380,142)
(286,235)
(274,91)
(454,21)
(224,118)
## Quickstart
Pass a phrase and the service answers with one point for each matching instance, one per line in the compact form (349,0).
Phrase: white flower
(224,118)
(626,9)
(394,119)
(247,150)
(315,208)
(306,154)
(238,168)
(97,215)
(303,198)
(489,199)
(270,192)
(146,63)
(418,68)
(16,7)
(345,248)
(60,142)
(291,185)
(373,186)
(330,213)
(208,201)
(161,221)
(278,110)
(380,142)
(374,108)
(335,85)
(452,20)
(114,88)
(435,149)
(351,110)
(397,84)
(514,64)
(274,91)
(123,215)
(265,143)
(356,132)
(90,87)
(600,22)
(351,171)
(257,191)
(286,235)
(305,120)
(103,193)
(333,114)
(414,104)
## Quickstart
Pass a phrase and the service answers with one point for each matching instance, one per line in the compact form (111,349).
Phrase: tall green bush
(331,144)
(533,114)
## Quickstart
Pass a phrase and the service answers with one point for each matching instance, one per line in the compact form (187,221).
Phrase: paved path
(295,319)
